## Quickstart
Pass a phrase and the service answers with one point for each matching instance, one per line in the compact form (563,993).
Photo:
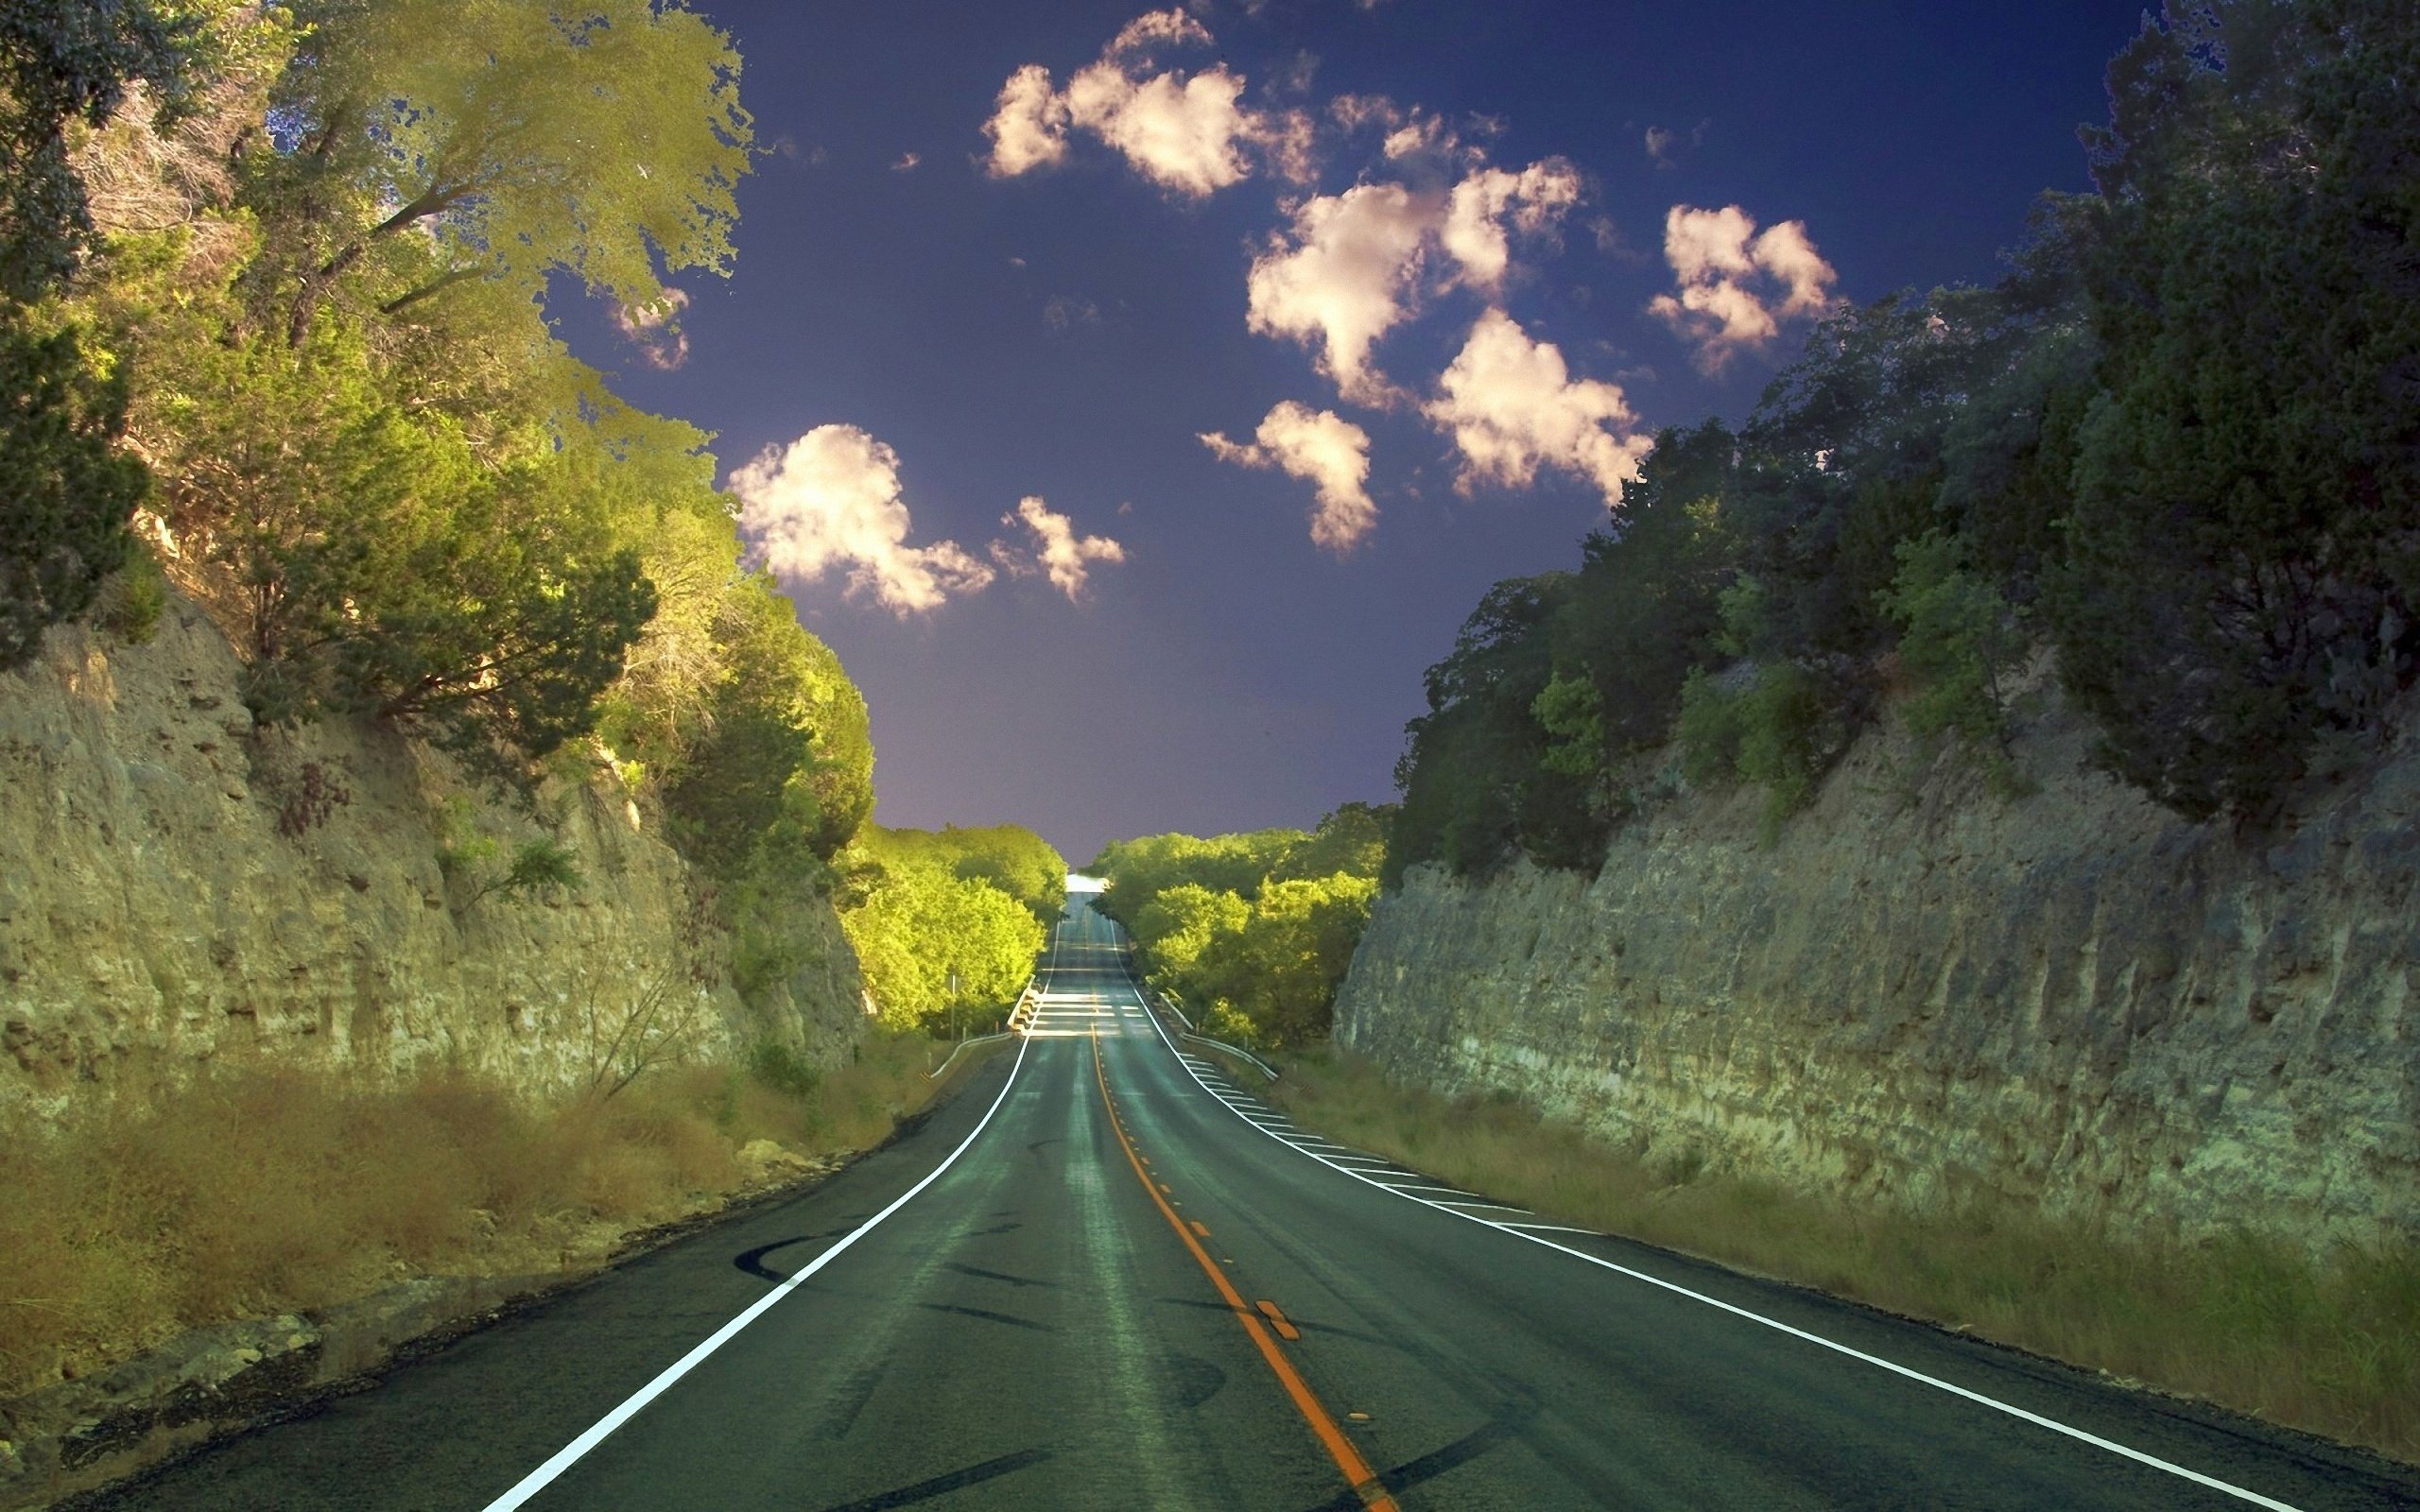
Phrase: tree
(1280,971)
(63,61)
(920,929)
(517,138)
(1351,838)
(1960,639)
(1180,926)
(66,490)
(2242,579)
(1008,856)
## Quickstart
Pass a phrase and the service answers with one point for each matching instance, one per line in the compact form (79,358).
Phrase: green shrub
(66,492)
(777,1066)
(133,602)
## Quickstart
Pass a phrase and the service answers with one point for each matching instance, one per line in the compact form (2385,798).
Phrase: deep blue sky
(1230,674)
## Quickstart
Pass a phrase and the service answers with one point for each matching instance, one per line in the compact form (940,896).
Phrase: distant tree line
(948,923)
(1252,931)
(2176,448)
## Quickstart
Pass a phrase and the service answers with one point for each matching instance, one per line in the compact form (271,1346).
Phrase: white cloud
(1064,556)
(830,501)
(1736,285)
(1535,198)
(1343,279)
(1064,312)
(1028,128)
(1513,407)
(906,163)
(1192,135)
(1330,450)
(1406,130)
(1347,269)
(655,330)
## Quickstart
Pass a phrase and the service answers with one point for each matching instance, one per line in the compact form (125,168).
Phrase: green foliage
(1137,870)
(516,140)
(1709,730)
(64,62)
(1572,712)
(1279,972)
(1960,639)
(1258,956)
(133,600)
(1772,728)
(1350,838)
(776,1065)
(781,761)
(468,856)
(1011,857)
(66,490)
(2242,577)
(921,928)
(2176,437)
(1180,924)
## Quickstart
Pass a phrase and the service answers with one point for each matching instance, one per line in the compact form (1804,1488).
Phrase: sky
(1137,400)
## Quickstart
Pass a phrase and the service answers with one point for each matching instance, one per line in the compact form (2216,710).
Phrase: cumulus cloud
(1064,557)
(1332,453)
(1513,407)
(1191,135)
(1736,285)
(1342,276)
(830,502)
(1534,199)
(1028,124)
(655,330)
(1346,270)
(1406,131)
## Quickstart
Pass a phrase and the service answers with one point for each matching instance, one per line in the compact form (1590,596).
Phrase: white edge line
(539,1479)
(2055,1426)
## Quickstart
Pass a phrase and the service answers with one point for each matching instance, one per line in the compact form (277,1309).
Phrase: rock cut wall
(177,886)
(1921,991)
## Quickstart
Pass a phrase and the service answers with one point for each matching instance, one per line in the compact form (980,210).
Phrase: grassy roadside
(2330,1345)
(263,1190)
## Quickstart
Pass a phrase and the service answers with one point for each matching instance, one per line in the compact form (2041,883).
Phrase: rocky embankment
(1921,991)
(176,885)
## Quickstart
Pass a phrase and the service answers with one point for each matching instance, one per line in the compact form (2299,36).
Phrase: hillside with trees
(2174,451)
(276,326)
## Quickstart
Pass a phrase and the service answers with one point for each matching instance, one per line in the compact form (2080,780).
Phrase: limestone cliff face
(1921,991)
(175,884)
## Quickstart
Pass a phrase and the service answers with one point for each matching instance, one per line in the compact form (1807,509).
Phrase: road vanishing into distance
(1103,1276)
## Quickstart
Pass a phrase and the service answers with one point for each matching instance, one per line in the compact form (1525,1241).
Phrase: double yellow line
(1357,1472)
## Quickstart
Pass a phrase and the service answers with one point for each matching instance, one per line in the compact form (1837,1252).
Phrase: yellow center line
(1357,1472)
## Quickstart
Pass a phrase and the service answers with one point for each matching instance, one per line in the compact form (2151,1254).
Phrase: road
(1103,1276)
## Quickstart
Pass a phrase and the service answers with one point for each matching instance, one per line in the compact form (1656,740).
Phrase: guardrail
(935,1075)
(1020,1021)
(1264,1067)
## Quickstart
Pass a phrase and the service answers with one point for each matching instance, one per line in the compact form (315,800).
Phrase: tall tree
(63,61)
(2244,575)
(521,137)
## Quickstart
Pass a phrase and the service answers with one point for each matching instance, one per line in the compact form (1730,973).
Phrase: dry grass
(263,1190)
(2331,1343)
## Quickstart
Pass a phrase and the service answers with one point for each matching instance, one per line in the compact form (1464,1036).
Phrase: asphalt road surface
(1103,1276)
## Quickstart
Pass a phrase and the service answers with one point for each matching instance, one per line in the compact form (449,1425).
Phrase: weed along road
(1105,1276)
